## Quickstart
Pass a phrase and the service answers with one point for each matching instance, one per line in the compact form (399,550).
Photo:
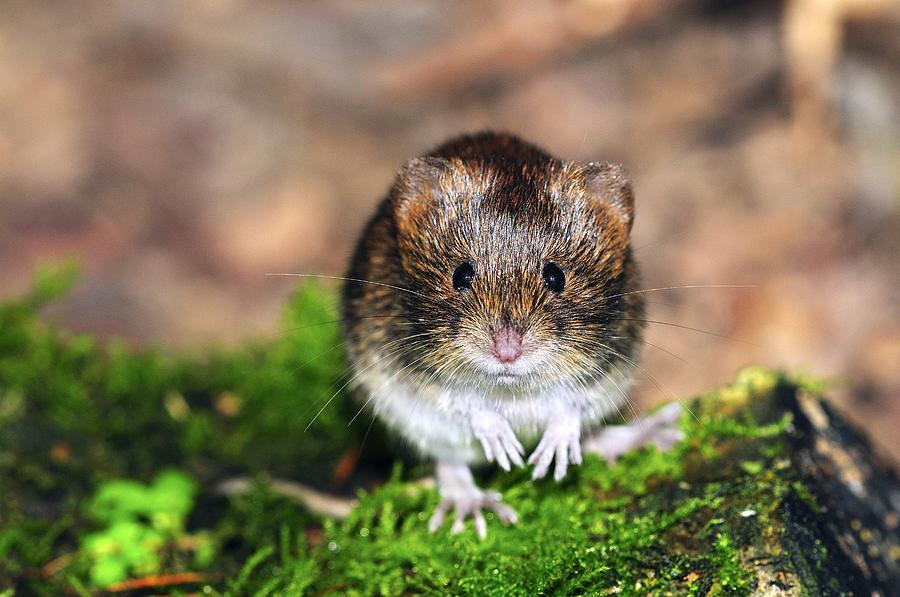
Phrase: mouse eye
(554,277)
(463,276)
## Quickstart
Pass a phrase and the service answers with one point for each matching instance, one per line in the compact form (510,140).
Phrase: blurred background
(182,150)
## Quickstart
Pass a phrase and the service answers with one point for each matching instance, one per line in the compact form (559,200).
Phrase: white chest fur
(436,419)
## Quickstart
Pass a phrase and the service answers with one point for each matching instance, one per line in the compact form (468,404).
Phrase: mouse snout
(506,345)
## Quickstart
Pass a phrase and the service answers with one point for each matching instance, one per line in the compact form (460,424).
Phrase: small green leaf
(108,571)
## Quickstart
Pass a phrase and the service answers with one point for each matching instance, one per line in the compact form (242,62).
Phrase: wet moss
(648,525)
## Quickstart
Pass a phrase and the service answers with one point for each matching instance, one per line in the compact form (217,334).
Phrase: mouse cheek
(558,325)
(453,322)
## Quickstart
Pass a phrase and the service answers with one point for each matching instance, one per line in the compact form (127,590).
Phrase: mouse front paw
(497,439)
(659,429)
(562,442)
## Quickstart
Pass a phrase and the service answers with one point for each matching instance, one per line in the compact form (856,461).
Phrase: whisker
(687,327)
(322,276)
(609,377)
(660,241)
(322,353)
(575,375)
(646,290)
(459,362)
(390,354)
(368,431)
(387,381)
(348,382)
(298,328)
(671,354)
(668,394)
(337,345)
(665,391)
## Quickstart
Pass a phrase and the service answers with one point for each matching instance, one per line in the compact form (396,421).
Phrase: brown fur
(507,208)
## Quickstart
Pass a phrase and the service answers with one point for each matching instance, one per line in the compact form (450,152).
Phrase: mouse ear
(418,185)
(608,183)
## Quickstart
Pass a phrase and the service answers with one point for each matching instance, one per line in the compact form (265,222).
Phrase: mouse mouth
(494,371)
(510,379)
(491,371)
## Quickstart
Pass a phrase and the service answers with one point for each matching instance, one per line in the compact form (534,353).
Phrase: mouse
(493,304)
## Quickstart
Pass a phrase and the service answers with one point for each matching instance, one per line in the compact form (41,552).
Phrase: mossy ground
(77,415)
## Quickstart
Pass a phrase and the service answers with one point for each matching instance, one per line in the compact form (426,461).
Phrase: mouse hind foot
(659,429)
(459,492)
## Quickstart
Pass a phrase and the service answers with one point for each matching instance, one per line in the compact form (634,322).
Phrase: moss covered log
(110,460)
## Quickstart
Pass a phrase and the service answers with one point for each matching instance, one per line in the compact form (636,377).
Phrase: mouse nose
(506,345)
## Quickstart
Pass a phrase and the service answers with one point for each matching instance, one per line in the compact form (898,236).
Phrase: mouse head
(519,266)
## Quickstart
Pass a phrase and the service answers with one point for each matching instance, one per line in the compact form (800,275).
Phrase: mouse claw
(498,440)
(561,442)
(480,524)
(437,519)
(458,525)
(468,501)
(659,429)
(472,506)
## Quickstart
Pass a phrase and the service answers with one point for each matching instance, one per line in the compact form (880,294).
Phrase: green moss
(76,414)
(645,525)
(143,526)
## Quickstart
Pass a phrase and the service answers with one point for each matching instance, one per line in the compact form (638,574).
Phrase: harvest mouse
(492,304)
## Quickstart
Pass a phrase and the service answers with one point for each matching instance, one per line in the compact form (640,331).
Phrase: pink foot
(659,429)
(498,440)
(561,442)
(459,492)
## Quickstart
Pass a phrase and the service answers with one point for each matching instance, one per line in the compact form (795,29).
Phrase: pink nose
(507,345)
